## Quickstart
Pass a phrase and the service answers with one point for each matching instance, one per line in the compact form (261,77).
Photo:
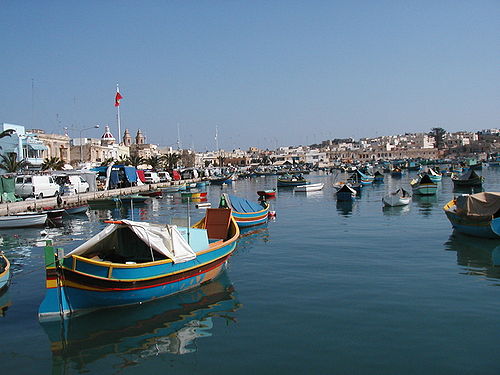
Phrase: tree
(10,164)
(107,162)
(135,160)
(155,161)
(123,160)
(7,133)
(171,160)
(438,134)
(53,163)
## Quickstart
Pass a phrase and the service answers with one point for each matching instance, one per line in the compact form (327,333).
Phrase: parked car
(151,177)
(36,186)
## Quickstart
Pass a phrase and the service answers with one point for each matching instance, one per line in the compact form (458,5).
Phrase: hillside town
(37,150)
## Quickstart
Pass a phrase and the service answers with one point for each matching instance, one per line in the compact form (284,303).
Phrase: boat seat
(217,222)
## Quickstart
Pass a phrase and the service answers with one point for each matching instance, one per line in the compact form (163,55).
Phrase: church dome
(107,136)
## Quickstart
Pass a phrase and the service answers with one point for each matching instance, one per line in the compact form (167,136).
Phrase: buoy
(272,214)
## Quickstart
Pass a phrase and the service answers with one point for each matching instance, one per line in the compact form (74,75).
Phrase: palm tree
(123,160)
(171,160)
(7,133)
(10,164)
(155,161)
(107,162)
(53,163)
(135,160)
(438,134)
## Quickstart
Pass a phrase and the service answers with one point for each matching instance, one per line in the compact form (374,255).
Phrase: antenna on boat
(188,219)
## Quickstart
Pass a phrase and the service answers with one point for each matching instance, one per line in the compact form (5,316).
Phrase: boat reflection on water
(396,210)
(467,189)
(345,208)
(130,335)
(5,302)
(426,203)
(479,256)
(250,236)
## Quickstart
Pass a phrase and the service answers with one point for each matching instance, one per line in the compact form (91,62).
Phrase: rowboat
(23,219)
(132,198)
(291,181)
(468,179)
(194,194)
(360,178)
(81,209)
(308,187)
(475,214)
(345,193)
(434,176)
(221,180)
(271,193)
(399,197)
(423,185)
(132,262)
(396,172)
(378,177)
(4,272)
(173,188)
(245,212)
(104,202)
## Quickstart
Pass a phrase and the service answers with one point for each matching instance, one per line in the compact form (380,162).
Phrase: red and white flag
(117,98)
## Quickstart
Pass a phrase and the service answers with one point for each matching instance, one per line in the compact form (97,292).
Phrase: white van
(151,177)
(78,184)
(164,176)
(36,186)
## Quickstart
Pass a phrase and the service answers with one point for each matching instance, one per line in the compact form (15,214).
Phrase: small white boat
(399,197)
(309,187)
(23,219)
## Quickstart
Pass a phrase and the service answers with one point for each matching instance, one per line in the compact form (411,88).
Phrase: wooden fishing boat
(434,175)
(271,193)
(399,197)
(361,178)
(132,198)
(134,262)
(468,179)
(104,202)
(245,212)
(309,187)
(194,194)
(291,181)
(396,172)
(345,193)
(475,214)
(173,188)
(221,180)
(378,177)
(23,219)
(4,272)
(423,185)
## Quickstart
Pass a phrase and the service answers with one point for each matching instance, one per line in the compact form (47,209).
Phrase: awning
(37,146)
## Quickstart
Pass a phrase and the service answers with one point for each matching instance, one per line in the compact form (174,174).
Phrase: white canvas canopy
(166,240)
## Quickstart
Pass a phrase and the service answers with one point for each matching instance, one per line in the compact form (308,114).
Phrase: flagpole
(118,118)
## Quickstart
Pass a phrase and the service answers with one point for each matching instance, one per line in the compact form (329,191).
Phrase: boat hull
(250,219)
(22,221)
(4,272)
(310,187)
(472,227)
(77,210)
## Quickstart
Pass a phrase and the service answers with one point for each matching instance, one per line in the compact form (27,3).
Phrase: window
(51,180)
(19,180)
(27,180)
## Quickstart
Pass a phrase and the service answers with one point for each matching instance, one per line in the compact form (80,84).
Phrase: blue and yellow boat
(291,180)
(134,262)
(4,272)
(245,212)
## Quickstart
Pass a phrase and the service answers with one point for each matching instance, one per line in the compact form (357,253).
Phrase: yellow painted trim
(7,267)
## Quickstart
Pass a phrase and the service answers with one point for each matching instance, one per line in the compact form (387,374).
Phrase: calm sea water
(325,288)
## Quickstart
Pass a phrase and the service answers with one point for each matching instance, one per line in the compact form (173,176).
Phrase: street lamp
(81,140)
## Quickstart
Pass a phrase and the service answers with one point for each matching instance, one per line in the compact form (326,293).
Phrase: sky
(264,73)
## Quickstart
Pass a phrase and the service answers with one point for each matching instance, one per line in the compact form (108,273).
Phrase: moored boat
(309,187)
(245,212)
(468,179)
(152,193)
(270,193)
(291,181)
(378,177)
(134,262)
(475,214)
(345,193)
(399,197)
(423,185)
(4,272)
(23,219)
(80,209)
(194,194)
(221,180)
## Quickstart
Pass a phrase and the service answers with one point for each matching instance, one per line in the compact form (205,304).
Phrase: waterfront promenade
(77,199)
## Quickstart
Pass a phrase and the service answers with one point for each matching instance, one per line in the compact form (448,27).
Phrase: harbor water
(323,288)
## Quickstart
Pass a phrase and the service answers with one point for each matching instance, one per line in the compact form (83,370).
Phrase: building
(97,150)
(25,145)
(140,147)
(57,145)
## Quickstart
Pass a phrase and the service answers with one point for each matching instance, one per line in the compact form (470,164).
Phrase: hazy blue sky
(267,73)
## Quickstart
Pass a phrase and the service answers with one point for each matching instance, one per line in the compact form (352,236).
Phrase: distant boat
(131,262)
(23,219)
(134,198)
(173,188)
(475,214)
(151,193)
(345,193)
(309,187)
(4,272)
(378,177)
(396,172)
(245,212)
(77,209)
(291,181)
(270,193)
(399,197)
(194,194)
(468,179)
(424,185)
(221,180)
(359,177)
(104,202)
(434,176)
(413,166)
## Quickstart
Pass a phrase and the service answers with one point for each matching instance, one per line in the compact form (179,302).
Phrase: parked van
(151,177)
(164,176)
(36,186)
(72,184)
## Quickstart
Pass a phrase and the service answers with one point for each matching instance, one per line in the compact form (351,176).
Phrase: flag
(117,98)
